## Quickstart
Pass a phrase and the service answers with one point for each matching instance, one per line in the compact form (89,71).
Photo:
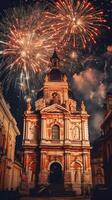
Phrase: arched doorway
(56,175)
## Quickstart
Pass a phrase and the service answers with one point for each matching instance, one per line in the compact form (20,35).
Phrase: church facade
(56,148)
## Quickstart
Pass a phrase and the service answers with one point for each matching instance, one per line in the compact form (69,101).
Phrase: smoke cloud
(95,125)
(89,83)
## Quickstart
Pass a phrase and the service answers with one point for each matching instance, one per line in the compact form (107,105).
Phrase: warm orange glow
(78,21)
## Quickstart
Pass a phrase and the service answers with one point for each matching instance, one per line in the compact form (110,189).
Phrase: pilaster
(43,176)
(43,129)
(67,138)
(67,172)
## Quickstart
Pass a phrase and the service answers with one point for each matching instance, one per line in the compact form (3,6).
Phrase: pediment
(55,108)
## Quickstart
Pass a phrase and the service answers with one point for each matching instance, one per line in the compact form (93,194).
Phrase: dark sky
(10,3)
(105,5)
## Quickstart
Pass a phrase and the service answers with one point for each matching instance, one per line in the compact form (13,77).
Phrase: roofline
(8,113)
(55,105)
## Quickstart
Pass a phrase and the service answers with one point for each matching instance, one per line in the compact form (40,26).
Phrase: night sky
(99,50)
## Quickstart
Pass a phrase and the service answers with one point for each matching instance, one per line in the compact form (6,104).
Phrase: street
(54,198)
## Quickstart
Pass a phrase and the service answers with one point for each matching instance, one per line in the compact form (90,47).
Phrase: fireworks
(29,37)
(25,45)
(76,21)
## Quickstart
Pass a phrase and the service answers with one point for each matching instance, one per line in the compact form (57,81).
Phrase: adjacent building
(102,150)
(107,145)
(97,162)
(8,133)
(56,148)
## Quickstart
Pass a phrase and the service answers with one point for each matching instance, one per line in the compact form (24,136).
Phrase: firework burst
(76,21)
(26,44)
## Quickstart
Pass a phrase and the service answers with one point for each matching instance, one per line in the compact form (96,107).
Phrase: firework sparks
(76,21)
(26,44)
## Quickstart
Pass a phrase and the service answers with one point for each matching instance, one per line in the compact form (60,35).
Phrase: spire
(28,104)
(83,107)
(55,60)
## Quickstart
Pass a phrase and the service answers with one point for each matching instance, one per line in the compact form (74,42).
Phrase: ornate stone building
(101,156)
(55,139)
(106,127)
(97,164)
(10,177)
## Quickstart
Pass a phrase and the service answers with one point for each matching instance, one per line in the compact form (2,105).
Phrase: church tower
(55,139)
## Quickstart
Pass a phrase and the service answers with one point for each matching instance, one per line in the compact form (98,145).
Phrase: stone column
(67,130)
(43,176)
(42,161)
(24,129)
(67,161)
(86,130)
(43,129)
(26,134)
(67,174)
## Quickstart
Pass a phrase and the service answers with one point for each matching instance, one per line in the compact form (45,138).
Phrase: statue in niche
(76,133)
(55,98)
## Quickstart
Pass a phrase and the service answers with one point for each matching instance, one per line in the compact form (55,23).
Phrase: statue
(28,104)
(46,78)
(65,78)
(72,106)
(83,108)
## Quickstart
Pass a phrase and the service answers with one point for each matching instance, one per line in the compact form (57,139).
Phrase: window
(55,98)
(55,132)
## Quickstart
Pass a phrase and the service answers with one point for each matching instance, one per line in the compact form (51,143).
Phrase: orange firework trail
(76,21)
(25,44)
(29,36)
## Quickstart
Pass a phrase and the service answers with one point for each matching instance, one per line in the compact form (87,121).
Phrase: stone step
(54,190)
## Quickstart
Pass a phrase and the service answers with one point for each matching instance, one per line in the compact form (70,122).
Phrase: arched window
(55,132)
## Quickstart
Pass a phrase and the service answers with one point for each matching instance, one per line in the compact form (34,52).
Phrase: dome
(55,75)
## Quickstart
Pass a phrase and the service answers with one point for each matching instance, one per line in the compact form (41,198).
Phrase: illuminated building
(10,171)
(55,138)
